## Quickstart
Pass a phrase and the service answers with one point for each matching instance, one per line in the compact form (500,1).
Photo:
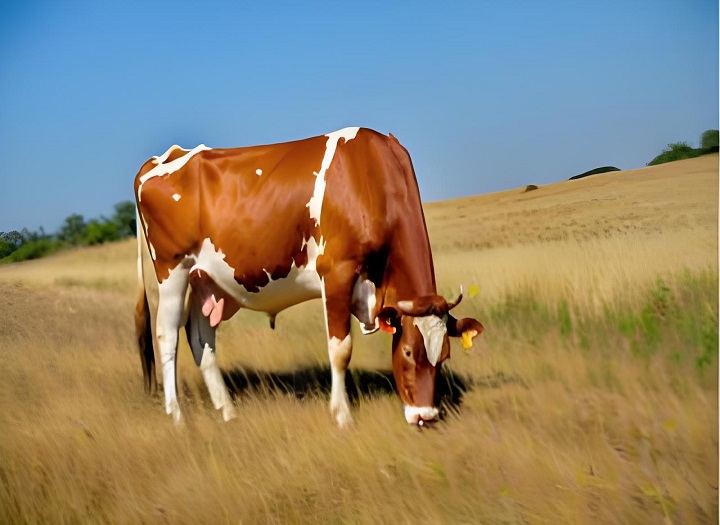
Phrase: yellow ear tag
(466,340)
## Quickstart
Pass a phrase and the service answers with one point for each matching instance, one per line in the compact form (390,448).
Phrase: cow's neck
(410,272)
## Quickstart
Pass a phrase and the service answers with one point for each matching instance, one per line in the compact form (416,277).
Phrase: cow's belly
(300,285)
(211,277)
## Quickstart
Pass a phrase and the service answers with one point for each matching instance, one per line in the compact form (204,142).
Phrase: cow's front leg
(171,304)
(337,292)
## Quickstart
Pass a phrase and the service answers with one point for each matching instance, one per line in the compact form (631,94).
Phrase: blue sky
(486,96)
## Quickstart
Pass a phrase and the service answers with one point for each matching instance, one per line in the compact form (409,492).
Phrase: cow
(336,217)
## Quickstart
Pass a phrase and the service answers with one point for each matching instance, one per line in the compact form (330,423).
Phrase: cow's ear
(389,319)
(467,328)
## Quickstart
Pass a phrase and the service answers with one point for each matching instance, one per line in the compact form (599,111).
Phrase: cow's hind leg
(201,337)
(337,298)
(171,305)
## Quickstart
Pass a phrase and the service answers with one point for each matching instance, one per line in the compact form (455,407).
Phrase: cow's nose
(414,415)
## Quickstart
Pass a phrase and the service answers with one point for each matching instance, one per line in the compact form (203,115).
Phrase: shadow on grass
(316,380)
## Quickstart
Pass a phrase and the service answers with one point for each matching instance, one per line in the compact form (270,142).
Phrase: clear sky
(486,96)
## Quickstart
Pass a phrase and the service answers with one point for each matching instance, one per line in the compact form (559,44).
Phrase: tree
(72,230)
(124,219)
(5,248)
(99,232)
(13,238)
(29,236)
(710,139)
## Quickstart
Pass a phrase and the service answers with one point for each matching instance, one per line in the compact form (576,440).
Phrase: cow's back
(251,202)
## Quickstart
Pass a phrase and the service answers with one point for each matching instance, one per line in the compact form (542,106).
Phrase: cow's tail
(143,324)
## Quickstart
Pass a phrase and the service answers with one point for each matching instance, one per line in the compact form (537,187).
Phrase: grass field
(593,394)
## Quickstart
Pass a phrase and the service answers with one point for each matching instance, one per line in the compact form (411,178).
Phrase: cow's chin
(417,415)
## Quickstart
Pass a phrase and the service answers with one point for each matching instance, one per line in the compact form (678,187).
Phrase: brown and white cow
(336,217)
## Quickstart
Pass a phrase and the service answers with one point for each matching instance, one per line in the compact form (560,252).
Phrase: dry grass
(573,418)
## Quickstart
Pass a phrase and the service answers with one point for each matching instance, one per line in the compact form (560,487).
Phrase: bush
(676,151)
(681,150)
(596,171)
(31,250)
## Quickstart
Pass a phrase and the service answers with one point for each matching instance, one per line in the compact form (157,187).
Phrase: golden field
(593,393)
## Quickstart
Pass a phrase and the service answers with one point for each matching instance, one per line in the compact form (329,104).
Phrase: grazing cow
(336,217)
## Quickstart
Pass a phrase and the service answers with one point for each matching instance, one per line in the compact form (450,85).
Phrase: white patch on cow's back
(258,172)
(176,197)
(165,169)
(315,202)
(162,158)
(301,284)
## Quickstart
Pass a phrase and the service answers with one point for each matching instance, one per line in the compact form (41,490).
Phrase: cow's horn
(453,304)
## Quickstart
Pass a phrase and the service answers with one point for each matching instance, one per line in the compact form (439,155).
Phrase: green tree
(29,236)
(124,218)
(13,238)
(72,230)
(710,139)
(99,232)
(5,248)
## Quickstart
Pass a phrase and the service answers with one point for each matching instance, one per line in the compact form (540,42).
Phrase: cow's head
(420,329)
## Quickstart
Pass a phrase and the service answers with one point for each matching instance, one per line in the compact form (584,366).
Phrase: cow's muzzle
(415,415)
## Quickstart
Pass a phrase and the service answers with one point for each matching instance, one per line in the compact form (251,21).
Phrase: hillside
(671,197)
(593,392)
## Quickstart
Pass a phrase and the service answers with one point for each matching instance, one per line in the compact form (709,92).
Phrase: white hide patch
(363,303)
(315,202)
(433,330)
(165,169)
(339,353)
(301,284)
(140,237)
(171,302)
(258,172)
(162,158)
(143,224)
(212,261)
(176,197)
(424,413)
